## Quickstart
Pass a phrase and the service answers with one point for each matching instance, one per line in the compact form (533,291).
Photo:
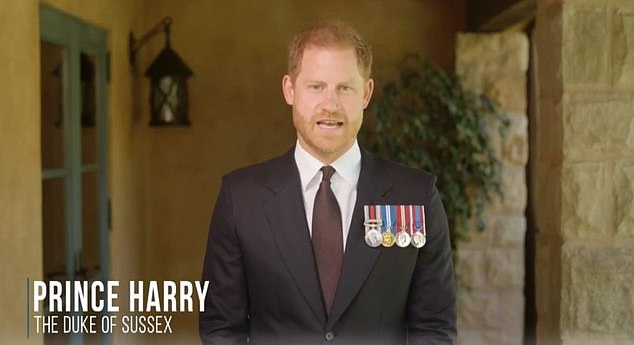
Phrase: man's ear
(287,88)
(368,88)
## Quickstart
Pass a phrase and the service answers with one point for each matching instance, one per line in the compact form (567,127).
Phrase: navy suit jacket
(264,285)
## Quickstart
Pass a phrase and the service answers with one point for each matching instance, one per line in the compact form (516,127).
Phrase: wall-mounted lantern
(168,80)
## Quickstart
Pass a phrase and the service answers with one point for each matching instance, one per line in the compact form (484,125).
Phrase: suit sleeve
(224,320)
(432,298)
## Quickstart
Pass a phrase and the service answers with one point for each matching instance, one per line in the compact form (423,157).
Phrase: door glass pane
(52,98)
(54,242)
(90,268)
(90,226)
(54,228)
(88,106)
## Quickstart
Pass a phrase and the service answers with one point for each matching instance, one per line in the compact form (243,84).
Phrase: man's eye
(345,88)
(315,86)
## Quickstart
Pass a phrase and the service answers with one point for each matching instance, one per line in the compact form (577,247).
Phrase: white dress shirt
(343,183)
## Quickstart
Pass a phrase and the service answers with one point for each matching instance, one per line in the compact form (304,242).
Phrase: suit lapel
(359,258)
(287,220)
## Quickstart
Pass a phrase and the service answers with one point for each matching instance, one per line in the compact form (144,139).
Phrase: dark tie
(327,238)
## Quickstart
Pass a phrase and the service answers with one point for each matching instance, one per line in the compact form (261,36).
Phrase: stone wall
(585,248)
(492,263)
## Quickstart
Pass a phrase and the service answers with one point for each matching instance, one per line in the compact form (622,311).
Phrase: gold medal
(386,231)
(388,238)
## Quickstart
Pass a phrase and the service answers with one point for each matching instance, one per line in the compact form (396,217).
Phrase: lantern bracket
(134,45)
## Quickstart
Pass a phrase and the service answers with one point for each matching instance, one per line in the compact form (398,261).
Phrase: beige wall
(20,183)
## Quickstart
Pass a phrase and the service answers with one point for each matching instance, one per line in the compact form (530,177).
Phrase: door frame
(77,36)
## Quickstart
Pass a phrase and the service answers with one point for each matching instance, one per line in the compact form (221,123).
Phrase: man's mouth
(329,124)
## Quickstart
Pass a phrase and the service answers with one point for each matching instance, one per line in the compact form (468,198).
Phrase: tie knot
(328,171)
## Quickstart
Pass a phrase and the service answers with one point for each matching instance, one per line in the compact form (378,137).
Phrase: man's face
(328,98)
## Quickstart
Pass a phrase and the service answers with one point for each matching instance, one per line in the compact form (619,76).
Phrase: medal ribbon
(392,218)
(410,212)
(377,210)
(400,218)
(422,212)
(366,215)
(386,216)
(417,211)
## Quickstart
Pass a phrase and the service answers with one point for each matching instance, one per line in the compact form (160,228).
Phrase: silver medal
(403,239)
(373,237)
(418,239)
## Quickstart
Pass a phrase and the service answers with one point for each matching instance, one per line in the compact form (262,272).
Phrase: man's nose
(330,101)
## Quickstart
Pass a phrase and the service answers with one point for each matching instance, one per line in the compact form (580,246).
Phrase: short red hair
(329,34)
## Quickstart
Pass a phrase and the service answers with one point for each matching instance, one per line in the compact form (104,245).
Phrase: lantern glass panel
(168,101)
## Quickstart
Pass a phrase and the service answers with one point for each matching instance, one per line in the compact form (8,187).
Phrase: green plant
(429,121)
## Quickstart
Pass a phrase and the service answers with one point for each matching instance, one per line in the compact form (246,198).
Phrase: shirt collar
(348,166)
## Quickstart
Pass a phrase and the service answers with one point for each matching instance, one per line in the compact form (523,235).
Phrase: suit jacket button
(330,336)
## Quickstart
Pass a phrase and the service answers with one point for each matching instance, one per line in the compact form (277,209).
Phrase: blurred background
(99,179)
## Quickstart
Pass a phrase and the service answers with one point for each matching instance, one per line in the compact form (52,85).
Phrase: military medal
(372,224)
(402,237)
(388,237)
(419,237)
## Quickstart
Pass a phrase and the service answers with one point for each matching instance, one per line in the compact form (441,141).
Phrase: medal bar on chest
(419,238)
(402,237)
(389,216)
(372,225)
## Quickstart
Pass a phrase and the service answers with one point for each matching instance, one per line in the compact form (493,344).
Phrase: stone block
(511,309)
(598,126)
(587,201)
(503,337)
(505,267)
(585,339)
(499,313)
(509,92)
(476,238)
(483,58)
(597,294)
(585,47)
(623,56)
(513,183)
(624,341)
(624,189)
(470,337)
(479,309)
(471,267)
(495,140)
(515,147)
(509,230)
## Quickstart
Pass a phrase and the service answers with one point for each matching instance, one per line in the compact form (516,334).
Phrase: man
(286,256)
